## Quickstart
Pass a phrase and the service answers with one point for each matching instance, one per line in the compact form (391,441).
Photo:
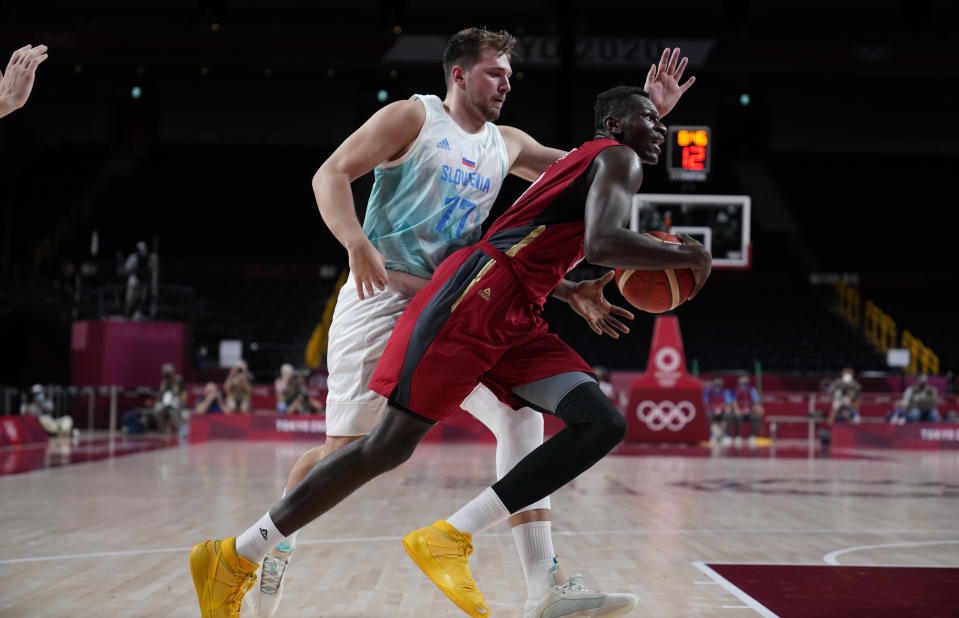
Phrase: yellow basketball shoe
(441,551)
(221,577)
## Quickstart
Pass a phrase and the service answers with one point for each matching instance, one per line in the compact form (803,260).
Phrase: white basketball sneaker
(270,588)
(571,599)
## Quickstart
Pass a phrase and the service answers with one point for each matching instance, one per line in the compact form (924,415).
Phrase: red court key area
(793,591)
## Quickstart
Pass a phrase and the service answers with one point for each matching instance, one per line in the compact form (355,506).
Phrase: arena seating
(278,313)
(934,323)
(873,408)
(263,399)
(788,326)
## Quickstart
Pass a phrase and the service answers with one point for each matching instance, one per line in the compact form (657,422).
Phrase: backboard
(720,222)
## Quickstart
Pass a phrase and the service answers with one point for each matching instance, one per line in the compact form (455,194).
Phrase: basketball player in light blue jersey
(438,167)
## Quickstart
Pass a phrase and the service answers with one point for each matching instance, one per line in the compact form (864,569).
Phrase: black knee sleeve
(587,408)
(593,427)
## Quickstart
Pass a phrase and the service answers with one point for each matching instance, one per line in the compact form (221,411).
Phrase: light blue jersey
(434,199)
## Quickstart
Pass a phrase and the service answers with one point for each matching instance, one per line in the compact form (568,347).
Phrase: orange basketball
(656,291)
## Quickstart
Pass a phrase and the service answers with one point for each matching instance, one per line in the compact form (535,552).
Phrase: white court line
(99,554)
(380,539)
(734,590)
(166,550)
(831,557)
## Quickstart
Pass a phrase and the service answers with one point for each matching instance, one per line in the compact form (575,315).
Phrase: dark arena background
(817,151)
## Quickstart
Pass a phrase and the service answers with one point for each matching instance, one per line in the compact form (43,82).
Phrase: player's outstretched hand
(700,271)
(369,269)
(662,82)
(586,298)
(16,82)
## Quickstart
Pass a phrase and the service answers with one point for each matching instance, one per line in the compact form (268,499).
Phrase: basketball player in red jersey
(478,320)
(491,331)
(415,149)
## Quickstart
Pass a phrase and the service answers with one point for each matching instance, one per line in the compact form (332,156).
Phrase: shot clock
(688,152)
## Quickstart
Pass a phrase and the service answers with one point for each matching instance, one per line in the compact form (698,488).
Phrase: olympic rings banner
(665,404)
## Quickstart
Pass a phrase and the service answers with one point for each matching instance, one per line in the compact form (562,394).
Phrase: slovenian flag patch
(468,163)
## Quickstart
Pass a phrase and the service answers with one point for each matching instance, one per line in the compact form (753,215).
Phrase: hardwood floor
(112,537)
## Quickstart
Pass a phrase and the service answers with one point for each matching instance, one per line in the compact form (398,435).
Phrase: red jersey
(479,318)
(542,231)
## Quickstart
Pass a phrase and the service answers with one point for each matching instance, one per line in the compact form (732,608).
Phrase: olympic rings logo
(665,414)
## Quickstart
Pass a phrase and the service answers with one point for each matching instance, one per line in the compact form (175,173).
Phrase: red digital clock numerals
(693,144)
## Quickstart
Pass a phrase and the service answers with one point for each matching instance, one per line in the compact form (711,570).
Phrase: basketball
(655,291)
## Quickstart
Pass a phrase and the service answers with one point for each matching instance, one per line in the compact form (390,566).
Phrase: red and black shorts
(472,323)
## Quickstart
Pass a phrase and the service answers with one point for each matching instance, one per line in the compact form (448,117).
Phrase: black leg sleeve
(593,427)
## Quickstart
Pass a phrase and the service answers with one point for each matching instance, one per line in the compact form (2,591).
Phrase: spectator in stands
(172,399)
(846,394)
(282,385)
(717,408)
(37,404)
(299,399)
(211,402)
(239,389)
(169,407)
(918,404)
(744,404)
(16,82)
(139,270)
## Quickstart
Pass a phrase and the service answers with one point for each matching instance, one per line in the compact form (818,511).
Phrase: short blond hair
(466,47)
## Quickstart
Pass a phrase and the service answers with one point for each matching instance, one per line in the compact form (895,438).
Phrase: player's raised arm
(386,135)
(527,157)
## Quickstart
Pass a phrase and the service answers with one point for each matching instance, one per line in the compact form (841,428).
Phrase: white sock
(258,539)
(534,541)
(480,513)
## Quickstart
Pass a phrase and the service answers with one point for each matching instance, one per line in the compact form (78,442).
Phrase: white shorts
(358,336)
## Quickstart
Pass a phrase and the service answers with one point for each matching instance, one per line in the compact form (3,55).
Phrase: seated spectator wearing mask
(846,393)
(745,405)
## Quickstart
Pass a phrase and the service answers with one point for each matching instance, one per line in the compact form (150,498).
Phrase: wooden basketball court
(112,537)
